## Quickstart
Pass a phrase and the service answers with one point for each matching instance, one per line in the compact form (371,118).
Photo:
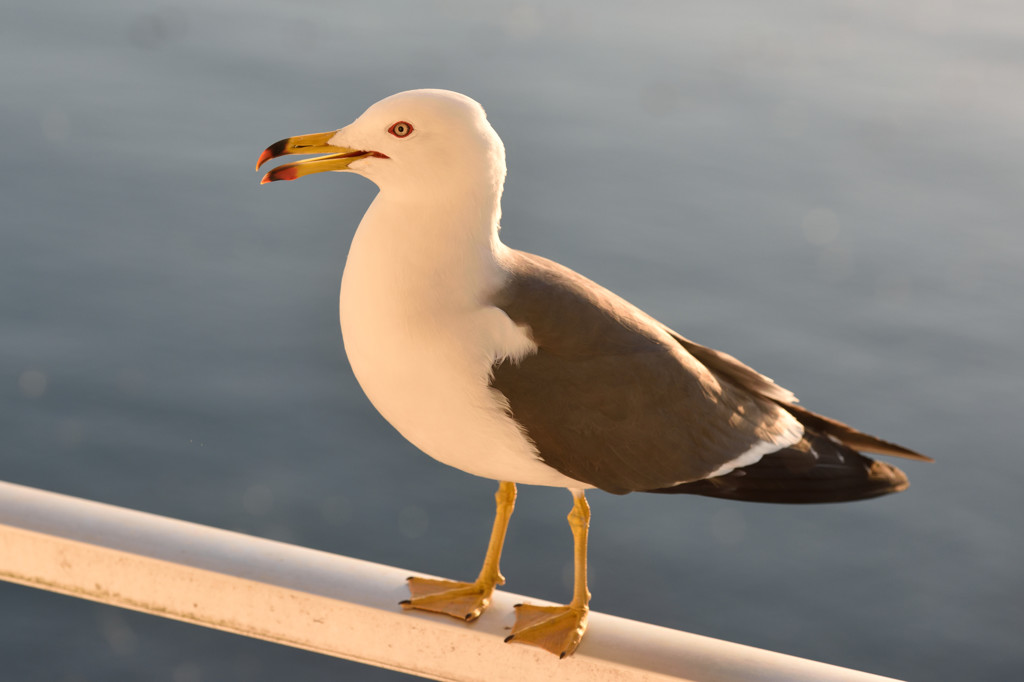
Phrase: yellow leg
(468,600)
(559,629)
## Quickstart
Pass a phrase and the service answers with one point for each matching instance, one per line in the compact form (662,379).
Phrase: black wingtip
(817,470)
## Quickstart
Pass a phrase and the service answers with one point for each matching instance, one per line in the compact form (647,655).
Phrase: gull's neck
(433,250)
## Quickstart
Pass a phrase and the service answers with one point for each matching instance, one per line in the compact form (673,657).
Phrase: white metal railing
(333,604)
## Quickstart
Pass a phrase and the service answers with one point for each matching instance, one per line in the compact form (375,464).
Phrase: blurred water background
(830,191)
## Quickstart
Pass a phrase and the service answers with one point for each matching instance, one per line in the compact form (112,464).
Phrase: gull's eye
(400,129)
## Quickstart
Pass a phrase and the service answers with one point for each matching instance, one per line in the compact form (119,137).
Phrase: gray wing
(731,369)
(612,398)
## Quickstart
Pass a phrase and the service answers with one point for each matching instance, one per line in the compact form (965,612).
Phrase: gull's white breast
(422,339)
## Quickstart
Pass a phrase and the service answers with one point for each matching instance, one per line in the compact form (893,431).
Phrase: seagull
(512,367)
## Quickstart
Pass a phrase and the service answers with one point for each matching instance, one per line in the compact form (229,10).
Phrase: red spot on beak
(267,155)
(282,173)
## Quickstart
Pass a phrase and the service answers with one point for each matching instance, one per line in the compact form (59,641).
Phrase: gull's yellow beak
(337,158)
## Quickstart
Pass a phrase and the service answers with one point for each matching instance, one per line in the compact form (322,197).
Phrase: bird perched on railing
(510,366)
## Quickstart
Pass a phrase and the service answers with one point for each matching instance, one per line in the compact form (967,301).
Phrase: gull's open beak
(337,158)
